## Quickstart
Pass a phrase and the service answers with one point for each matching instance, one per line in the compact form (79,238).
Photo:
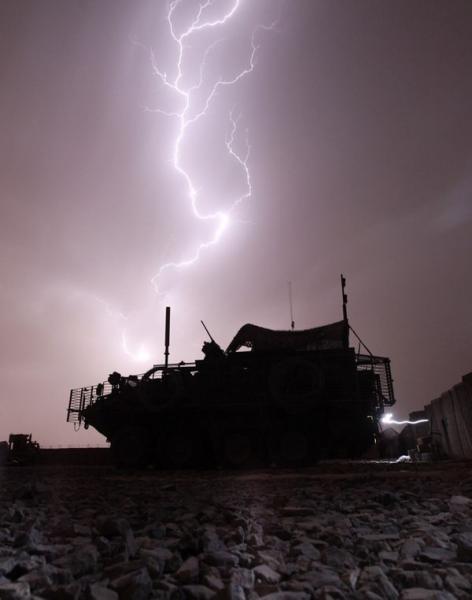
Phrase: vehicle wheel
(180,450)
(238,449)
(296,384)
(294,448)
(130,447)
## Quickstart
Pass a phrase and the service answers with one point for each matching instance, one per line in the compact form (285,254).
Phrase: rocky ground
(332,532)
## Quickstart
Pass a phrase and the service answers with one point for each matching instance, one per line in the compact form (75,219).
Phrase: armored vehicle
(20,449)
(294,397)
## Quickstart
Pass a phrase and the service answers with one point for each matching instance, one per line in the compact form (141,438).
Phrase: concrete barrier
(451,420)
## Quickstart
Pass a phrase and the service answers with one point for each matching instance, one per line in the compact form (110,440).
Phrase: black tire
(179,450)
(296,384)
(238,449)
(130,447)
(295,448)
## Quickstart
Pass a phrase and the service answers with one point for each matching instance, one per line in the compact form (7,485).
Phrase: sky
(346,147)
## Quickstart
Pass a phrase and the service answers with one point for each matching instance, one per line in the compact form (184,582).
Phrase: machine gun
(211,349)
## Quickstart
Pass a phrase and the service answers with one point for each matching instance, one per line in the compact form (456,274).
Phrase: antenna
(292,321)
(167,338)
(346,322)
(343,288)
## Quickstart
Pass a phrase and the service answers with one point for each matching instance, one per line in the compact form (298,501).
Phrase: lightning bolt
(189,114)
(141,355)
(192,108)
(388,420)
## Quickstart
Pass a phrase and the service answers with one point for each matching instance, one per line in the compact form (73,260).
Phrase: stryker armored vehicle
(295,397)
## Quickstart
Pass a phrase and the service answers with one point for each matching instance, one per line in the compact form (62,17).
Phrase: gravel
(338,531)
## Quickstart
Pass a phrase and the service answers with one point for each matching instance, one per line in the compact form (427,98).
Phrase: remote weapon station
(295,397)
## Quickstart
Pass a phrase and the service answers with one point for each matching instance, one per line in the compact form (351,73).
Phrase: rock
(73,591)
(424,594)
(380,537)
(188,571)
(264,589)
(287,596)
(136,585)
(198,592)
(221,558)
(15,591)
(114,527)
(410,548)
(116,570)
(428,580)
(353,577)
(464,547)
(390,557)
(214,582)
(100,592)
(437,555)
(255,540)
(458,583)
(31,537)
(232,592)
(375,578)
(110,527)
(37,579)
(266,574)
(244,578)
(321,576)
(81,562)
(7,565)
(298,511)
(52,551)
(157,532)
(307,549)
(337,557)
(273,558)
(284,534)
(460,502)
(329,593)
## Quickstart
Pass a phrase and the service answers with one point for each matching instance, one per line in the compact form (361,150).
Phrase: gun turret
(211,349)
(208,333)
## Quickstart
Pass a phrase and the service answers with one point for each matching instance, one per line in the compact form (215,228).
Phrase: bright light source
(141,355)
(193,109)
(388,420)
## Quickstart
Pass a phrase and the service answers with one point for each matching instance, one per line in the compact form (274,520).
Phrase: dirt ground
(338,530)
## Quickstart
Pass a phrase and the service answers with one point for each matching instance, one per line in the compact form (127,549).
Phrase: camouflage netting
(258,338)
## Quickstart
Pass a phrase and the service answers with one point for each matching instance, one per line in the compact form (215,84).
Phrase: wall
(451,419)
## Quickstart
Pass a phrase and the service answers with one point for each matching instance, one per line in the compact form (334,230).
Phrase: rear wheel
(294,448)
(238,449)
(296,385)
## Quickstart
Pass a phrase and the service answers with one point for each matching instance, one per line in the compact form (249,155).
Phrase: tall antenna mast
(292,321)
(167,338)
(343,289)
(346,322)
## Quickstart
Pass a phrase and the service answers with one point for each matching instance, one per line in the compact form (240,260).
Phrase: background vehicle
(295,397)
(19,450)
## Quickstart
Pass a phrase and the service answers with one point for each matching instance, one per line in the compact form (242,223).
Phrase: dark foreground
(339,530)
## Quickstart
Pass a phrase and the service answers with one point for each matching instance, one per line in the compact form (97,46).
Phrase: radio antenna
(292,321)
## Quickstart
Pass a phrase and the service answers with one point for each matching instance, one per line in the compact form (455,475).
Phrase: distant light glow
(141,355)
(387,419)
(190,113)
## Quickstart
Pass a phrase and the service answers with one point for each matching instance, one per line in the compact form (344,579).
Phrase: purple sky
(358,116)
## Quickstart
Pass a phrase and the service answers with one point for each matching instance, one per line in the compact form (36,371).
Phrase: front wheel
(179,450)
(130,447)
